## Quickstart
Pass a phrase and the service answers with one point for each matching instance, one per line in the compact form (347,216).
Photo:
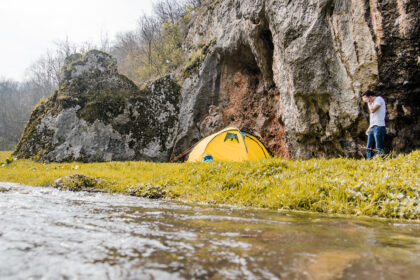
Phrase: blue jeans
(376,135)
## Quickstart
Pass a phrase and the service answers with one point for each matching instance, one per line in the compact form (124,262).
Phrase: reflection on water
(51,234)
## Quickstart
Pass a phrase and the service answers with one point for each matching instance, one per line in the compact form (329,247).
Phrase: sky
(28,28)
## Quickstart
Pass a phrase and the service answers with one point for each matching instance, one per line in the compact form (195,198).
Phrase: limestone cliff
(100,115)
(292,73)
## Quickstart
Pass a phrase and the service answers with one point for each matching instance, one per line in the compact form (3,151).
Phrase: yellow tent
(229,144)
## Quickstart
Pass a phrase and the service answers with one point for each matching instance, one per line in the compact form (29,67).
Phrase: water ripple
(50,234)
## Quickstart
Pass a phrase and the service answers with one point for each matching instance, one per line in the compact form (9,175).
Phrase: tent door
(231,137)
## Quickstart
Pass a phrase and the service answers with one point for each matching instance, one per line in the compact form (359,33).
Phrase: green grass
(380,187)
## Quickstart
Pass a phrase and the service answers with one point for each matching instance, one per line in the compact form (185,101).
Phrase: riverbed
(50,234)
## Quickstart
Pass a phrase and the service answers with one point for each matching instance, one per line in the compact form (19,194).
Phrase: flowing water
(51,234)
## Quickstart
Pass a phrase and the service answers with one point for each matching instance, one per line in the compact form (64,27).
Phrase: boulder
(78,182)
(98,114)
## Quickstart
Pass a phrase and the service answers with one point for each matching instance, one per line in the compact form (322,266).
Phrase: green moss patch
(78,182)
(192,66)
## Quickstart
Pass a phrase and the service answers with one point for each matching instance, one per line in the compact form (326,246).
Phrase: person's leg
(370,142)
(380,139)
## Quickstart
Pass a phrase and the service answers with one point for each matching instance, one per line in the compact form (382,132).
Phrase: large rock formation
(292,72)
(100,115)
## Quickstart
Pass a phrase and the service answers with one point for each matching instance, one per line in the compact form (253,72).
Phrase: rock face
(100,115)
(292,73)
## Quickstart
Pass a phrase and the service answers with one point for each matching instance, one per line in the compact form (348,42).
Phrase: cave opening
(248,97)
(242,86)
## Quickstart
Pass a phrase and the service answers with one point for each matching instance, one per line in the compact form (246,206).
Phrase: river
(50,234)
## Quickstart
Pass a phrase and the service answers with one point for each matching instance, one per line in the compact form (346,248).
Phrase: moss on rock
(98,114)
(193,64)
(78,182)
(149,191)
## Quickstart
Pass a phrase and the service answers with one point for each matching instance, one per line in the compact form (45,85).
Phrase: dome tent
(229,144)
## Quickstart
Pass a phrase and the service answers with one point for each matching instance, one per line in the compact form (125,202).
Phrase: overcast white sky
(29,27)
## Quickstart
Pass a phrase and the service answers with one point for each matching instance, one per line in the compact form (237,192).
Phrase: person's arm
(373,107)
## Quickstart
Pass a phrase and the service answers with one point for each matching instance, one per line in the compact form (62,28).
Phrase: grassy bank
(385,188)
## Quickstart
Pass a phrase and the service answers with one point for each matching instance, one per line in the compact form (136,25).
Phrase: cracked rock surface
(289,72)
(292,73)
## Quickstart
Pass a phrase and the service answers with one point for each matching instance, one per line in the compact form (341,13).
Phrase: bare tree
(16,103)
(46,71)
(127,50)
(43,74)
(156,45)
(124,43)
(149,29)
(194,3)
(104,42)
(168,10)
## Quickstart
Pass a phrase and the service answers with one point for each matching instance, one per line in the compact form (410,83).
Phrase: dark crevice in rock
(267,38)
(399,73)
(368,19)
(261,41)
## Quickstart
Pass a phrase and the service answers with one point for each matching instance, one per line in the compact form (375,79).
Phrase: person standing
(376,130)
